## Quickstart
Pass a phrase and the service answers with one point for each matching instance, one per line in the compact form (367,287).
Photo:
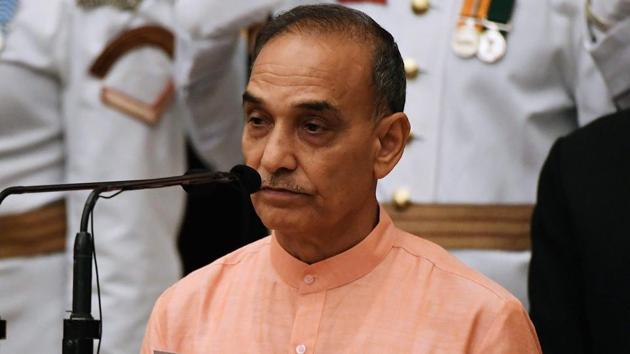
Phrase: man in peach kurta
(324,122)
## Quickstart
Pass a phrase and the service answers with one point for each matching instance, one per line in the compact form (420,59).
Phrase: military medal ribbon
(7,11)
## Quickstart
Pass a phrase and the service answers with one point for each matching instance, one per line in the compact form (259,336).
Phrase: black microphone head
(250,179)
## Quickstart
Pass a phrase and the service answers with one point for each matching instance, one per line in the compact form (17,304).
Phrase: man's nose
(279,153)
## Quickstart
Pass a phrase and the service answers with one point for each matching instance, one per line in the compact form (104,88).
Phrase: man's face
(309,131)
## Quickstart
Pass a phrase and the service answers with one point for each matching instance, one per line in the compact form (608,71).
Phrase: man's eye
(313,127)
(256,121)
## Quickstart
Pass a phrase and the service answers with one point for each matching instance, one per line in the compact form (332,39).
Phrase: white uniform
(210,70)
(55,129)
(32,289)
(483,130)
(135,233)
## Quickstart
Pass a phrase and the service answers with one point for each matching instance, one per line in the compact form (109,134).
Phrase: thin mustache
(275,183)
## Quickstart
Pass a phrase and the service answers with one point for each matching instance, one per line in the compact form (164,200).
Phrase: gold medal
(492,46)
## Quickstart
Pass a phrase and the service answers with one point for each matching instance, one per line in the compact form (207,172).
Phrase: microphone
(247,176)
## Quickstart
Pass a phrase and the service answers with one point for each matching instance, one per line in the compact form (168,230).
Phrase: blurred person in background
(78,105)
(579,280)
(211,70)
(491,84)
(33,229)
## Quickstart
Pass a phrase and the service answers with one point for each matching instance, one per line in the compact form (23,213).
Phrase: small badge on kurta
(8,8)
(147,36)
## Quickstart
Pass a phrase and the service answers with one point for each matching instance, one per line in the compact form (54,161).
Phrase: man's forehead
(298,73)
(311,62)
(312,53)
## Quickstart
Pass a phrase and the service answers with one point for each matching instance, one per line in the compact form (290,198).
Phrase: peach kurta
(391,293)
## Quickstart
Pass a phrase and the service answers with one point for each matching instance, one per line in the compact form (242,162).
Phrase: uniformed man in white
(491,84)
(134,232)
(74,108)
(32,262)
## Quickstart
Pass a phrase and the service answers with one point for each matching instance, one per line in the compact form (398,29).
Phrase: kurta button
(300,349)
(419,6)
(309,279)
(402,198)
(411,68)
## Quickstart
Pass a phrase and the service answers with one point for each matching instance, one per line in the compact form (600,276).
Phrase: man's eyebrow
(248,97)
(320,106)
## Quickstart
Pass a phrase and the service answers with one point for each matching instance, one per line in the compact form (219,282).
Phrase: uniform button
(411,68)
(309,279)
(402,198)
(300,349)
(419,6)
(411,137)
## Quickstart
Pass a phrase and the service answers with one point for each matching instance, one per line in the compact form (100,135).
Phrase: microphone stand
(80,330)
(184,180)
(3,329)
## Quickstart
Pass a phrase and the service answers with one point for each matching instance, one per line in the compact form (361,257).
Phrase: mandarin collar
(338,270)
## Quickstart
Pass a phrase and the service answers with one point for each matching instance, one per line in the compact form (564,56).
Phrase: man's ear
(392,133)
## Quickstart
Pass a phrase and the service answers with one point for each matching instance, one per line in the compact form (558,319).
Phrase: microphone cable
(98,283)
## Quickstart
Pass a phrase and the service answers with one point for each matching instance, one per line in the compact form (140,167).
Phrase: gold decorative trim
(147,112)
(39,231)
(467,226)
